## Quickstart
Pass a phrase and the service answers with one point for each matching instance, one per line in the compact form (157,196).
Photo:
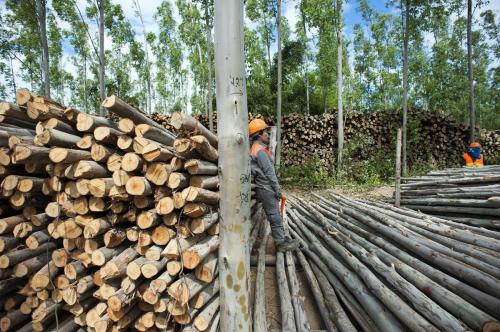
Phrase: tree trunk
(209,66)
(397,181)
(304,29)
(102,90)
(405,82)
(278,102)
(148,65)
(472,107)
(42,16)
(340,116)
(234,256)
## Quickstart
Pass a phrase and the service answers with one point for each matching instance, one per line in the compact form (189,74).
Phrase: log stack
(106,224)
(467,195)
(372,266)
(309,137)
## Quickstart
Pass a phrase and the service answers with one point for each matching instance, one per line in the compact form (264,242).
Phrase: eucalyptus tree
(41,12)
(340,115)
(146,68)
(470,74)
(193,34)
(22,24)
(168,51)
(278,93)
(406,28)
(85,51)
(102,63)
(7,54)
(263,12)
(322,15)
(257,72)
(302,31)
(208,8)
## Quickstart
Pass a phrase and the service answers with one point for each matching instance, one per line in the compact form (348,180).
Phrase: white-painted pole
(234,167)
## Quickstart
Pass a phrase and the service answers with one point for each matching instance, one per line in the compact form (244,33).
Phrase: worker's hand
(279,195)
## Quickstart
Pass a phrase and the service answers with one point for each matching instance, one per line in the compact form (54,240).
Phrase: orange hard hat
(475,145)
(256,125)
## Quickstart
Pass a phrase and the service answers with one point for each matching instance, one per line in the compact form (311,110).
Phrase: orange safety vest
(256,147)
(473,163)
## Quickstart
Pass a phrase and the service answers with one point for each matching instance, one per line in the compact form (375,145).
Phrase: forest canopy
(166,68)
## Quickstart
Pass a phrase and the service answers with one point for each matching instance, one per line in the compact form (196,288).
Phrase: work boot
(288,245)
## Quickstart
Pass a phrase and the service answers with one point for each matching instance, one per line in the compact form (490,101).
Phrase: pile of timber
(468,195)
(434,138)
(104,224)
(374,267)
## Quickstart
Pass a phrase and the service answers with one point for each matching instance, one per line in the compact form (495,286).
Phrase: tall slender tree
(208,29)
(340,114)
(406,27)
(41,8)
(472,106)
(102,88)
(278,97)
(306,57)
(147,67)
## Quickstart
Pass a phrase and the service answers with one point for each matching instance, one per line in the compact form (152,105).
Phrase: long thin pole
(234,167)
(397,183)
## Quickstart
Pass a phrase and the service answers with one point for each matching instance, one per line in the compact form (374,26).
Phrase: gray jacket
(262,167)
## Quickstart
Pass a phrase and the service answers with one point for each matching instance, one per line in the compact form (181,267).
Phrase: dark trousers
(272,209)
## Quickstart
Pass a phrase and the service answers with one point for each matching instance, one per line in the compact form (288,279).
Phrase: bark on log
(190,124)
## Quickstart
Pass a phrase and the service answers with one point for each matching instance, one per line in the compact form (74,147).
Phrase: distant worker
(473,157)
(267,190)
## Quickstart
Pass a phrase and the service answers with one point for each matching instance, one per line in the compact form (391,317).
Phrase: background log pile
(468,195)
(106,224)
(432,137)
(372,266)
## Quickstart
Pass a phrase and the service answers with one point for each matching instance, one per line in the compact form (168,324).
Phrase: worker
(473,157)
(267,189)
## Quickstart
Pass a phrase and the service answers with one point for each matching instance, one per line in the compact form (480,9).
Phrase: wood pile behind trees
(374,267)
(106,225)
(432,138)
(468,195)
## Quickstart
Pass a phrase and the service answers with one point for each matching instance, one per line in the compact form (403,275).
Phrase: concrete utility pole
(234,167)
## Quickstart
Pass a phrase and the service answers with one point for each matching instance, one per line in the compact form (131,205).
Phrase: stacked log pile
(468,195)
(433,138)
(106,225)
(374,267)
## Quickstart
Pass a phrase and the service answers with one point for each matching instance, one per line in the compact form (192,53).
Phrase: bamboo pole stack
(372,266)
(467,195)
(106,224)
